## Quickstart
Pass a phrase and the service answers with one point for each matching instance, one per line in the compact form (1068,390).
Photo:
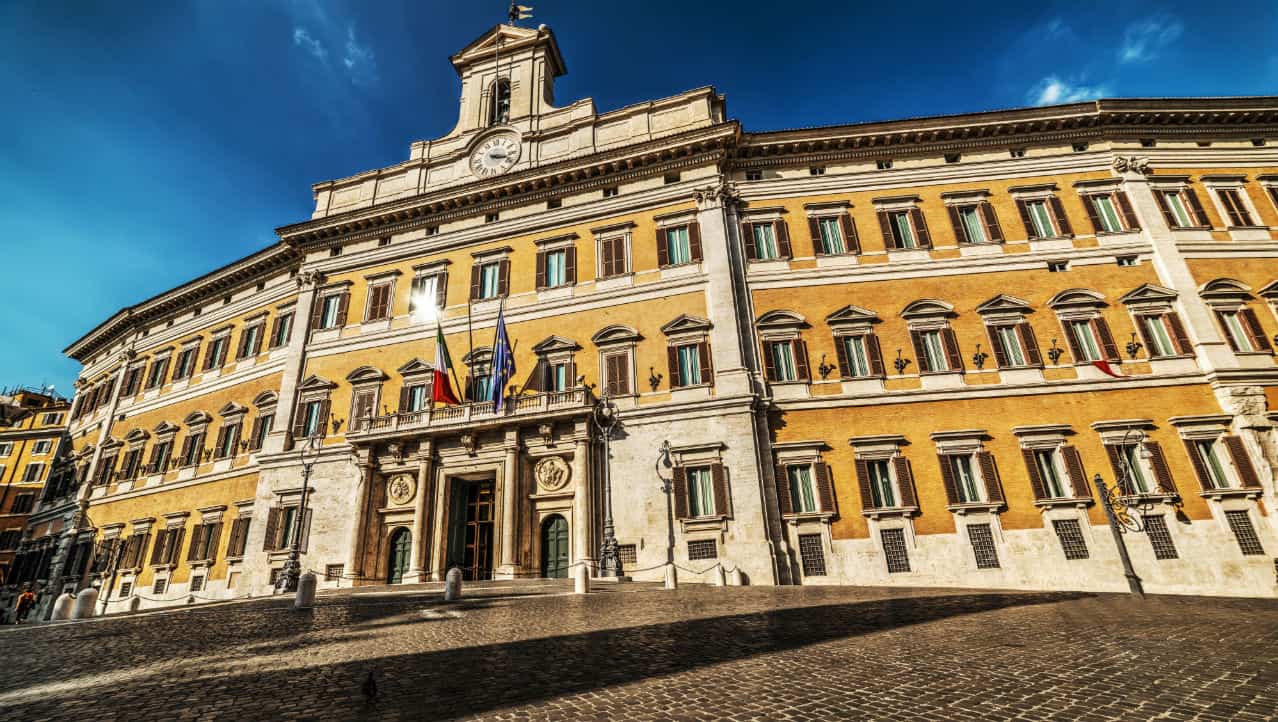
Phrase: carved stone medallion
(552,473)
(401,489)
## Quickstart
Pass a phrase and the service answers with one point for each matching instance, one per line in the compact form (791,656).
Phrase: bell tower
(508,78)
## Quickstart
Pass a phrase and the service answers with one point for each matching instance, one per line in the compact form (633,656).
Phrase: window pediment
(851,315)
(616,334)
(137,435)
(556,344)
(366,375)
(266,398)
(197,418)
(1225,289)
(480,355)
(781,320)
(1269,291)
(685,323)
(232,409)
(1076,297)
(1004,303)
(316,383)
(416,367)
(928,308)
(1148,293)
(165,427)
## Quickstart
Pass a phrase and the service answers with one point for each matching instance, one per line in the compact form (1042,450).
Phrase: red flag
(1107,369)
(441,388)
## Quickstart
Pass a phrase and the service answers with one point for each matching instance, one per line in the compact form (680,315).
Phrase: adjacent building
(879,353)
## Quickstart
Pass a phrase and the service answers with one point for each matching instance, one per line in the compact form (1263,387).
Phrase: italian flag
(442,390)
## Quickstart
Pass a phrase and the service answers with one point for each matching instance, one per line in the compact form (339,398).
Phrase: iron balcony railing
(462,414)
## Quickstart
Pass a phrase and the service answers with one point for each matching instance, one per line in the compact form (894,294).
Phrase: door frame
(542,528)
(396,533)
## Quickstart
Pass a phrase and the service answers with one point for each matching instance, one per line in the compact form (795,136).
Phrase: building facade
(881,353)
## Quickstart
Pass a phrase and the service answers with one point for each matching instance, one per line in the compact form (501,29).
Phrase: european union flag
(503,362)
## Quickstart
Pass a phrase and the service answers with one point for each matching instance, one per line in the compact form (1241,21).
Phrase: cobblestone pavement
(637,652)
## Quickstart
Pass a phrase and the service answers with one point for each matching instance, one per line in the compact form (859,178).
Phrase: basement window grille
(898,557)
(627,553)
(126,589)
(160,586)
(754,175)
(1243,530)
(702,549)
(983,546)
(812,554)
(1071,536)
(1160,538)
(334,572)
(197,584)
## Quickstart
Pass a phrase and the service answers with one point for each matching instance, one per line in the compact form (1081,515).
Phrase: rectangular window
(617,373)
(678,246)
(194,448)
(422,296)
(1010,342)
(973,225)
(312,424)
(329,307)
(967,485)
(556,268)
(612,256)
(1041,218)
(33,472)
(489,280)
(1239,339)
(1160,342)
(894,550)
(881,486)
(333,572)
(362,405)
(812,554)
(558,376)
(1130,458)
(6,448)
(22,503)
(1245,532)
(250,341)
(854,347)
(700,492)
(628,553)
(1160,537)
(983,548)
(1107,214)
(903,236)
(1085,341)
(1048,470)
(1239,216)
(480,385)
(155,375)
(765,241)
(239,537)
(262,429)
(185,363)
(933,351)
(803,494)
(197,583)
(282,329)
(1071,537)
(379,302)
(160,585)
(41,447)
(1211,465)
(1178,213)
(416,399)
(782,353)
(702,549)
(689,364)
(832,241)
(230,437)
(130,385)
(754,175)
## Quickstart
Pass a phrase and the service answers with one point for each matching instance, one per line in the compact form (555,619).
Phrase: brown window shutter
(197,538)
(323,417)
(947,479)
(782,231)
(1162,472)
(1257,333)
(621,363)
(1026,221)
(1035,478)
(885,225)
(663,248)
(1183,345)
(255,434)
(920,227)
(1029,343)
(1233,207)
(801,361)
(209,356)
(242,350)
(960,233)
(905,481)
(257,342)
(672,359)
(474,281)
(875,353)
(175,547)
(1242,461)
(825,489)
(275,328)
(850,238)
(841,352)
(272,526)
(863,484)
(1199,215)
(1129,215)
(570,265)
(1062,220)
(680,492)
(722,506)
(1116,463)
(1075,352)
(992,226)
(1089,203)
(404,398)
(1108,347)
(814,232)
(343,305)
(441,291)
(157,551)
(210,541)
(1200,471)
(1166,208)
(1074,470)
(747,238)
(707,371)
(299,421)
(694,241)
(541,269)
(381,302)
(1224,328)
(989,473)
(921,358)
(1144,333)
(221,439)
(235,437)
(769,362)
(1000,355)
(503,277)
(785,498)
(186,447)
(952,349)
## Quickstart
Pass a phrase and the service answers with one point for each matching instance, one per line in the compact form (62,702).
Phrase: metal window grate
(275,575)
(1160,538)
(983,546)
(627,553)
(1071,536)
(160,586)
(812,554)
(703,549)
(898,558)
(1240,523)
(126,589)
(333,572)
(197,584)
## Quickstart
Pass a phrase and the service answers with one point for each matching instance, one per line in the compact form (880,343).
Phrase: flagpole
(470,346)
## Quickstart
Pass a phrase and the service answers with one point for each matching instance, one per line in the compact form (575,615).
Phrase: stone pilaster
(508,567)
(583,515)
(354,569)
(280,439)
(419,562)
(727,298)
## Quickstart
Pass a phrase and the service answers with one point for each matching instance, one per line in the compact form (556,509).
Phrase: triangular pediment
(166,427)
(232,409)
(781,318)
(137,435)
(415,367)
(366,375)
(554,344)
(506,38)
(1076,297)
(852,314)
(316,383)
(1003,303)
(266,398)
(111,443)
(927,308)
(685,323)
(615,334)
(1148,292)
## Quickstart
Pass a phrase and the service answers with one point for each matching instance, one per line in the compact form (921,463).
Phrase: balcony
(529,407)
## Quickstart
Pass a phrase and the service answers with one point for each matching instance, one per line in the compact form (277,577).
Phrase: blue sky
(146,143)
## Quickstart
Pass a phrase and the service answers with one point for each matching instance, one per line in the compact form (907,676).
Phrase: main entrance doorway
(470,534)
(401,541)
(554,548)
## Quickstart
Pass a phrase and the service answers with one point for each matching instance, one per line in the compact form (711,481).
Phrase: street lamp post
(1118,511)
(667,488)
(292,569)
(605,418)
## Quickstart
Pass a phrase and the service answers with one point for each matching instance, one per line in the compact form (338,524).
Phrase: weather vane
(519,12)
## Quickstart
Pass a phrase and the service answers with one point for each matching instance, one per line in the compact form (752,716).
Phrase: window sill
(553,293)
(325,334)
(893,511)
(1078,501)
(625,280)
(1148,498)
(905,255)
(809,516)
(988,248)
(988,507)
(1245,492)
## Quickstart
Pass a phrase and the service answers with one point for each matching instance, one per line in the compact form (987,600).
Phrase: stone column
(727,299)
(583,513)
(509,507)
(280,437)
(355,547)
(419,562)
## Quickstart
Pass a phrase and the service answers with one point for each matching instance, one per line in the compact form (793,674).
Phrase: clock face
(495,155)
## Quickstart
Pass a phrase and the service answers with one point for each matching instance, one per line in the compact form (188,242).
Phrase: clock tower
(508,79)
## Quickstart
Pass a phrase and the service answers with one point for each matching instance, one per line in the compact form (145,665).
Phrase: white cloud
(1143,39)
(1053,89)
(359,60)
(303,40)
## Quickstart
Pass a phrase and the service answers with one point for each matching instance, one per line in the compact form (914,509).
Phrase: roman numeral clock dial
(494,156)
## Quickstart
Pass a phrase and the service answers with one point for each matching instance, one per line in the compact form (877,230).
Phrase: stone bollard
(305,598)
(735,578)
(719,580)
(85,604)
(672,577)
(453,585)
(581,579)
(62,607)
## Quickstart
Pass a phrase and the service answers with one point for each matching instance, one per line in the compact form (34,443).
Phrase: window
(700,492)
(678,246)
(754,175)
(492,217)
(239,537)
(131,378)
(426,296)
(155,375)
(1209,465)
(1125,261)
(1157,339)
(51,419)
(227,439)
(280,330)
(967,485)
(830,237)
(688,364)
(983,547)
(1235,208)
(1044,217)
(617,373)
(1049,472)
(1258,142)
(432,230)
(1016,152)
(332,311)
(786,361)
(553,203)
(1245,532)
(1242,330)
(803,491)
(22,503)
(884,164)
(859,356)
(1070,535)
(1084,343)
(313,418)
(904,229)
(379,302)
(159,455)
(628,553)
(931,351)
(1110,212)
(767,241)
(1160,538)
(261,428)
(702,549)
(6,448)
(250,341)
(1057,266)
(33,472)
(215,355)
(612,255)
(953,157)
(556,268)
(1181,208)
(161,584)
(383,242)
(9,539)
(610,192)
(1131,468)
(812,555)
(882,489)
(489,280)
(197,581)
(192,448)
(204,538)
(976,223)
(1009,342)
(282,528)
(132,463)
(670,178)
(414,397)
(186,362)
(335,251)
(894,551)
(168,544)
(499,102)
(1079,147)
(816,170)
(558,375)
(41,447)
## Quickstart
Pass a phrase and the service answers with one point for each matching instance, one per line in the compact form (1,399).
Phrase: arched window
(499,105)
